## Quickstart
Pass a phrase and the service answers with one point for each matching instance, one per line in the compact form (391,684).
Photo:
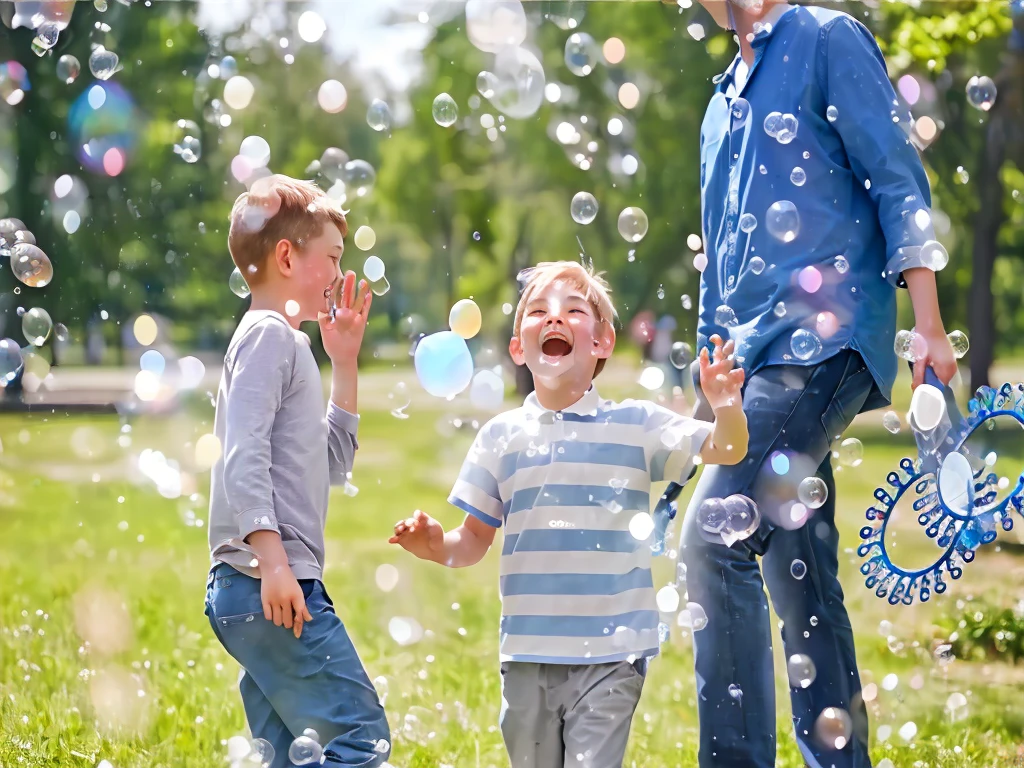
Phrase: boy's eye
(536,312)
(579,311)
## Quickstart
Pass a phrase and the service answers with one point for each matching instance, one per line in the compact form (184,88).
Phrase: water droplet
(798,176)
(832,113)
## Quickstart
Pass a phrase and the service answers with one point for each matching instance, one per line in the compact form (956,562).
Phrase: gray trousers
(555,715)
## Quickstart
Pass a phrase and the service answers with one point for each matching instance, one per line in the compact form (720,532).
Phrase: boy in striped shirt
(568,475)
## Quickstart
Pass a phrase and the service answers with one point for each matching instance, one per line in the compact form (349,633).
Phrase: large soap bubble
(443,364)
(493,25)
(518,83)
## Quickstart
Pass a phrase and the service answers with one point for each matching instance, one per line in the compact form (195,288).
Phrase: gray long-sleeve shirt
(280,453)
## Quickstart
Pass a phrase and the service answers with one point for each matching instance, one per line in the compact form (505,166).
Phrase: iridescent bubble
(798,569)
(748,223)
(891,421)
(798,176)
(518,84)
(581,54)
(493,25)
(681,354)
(632,224)
(378,115)
(805,344)
(827,324)
(237,284)
(30,265)
(68,68)
(734,518)
(725,316)
(332,164)
(46,37)
(103,63)
(36,325)
(757,265)
(687,302)
(14,82)
(11,361)
(934,255)
(772,123)
(443,364)
(465,318)
(568,15)
(833,727)
(359,177)
(228,68)
(102,124)
(380,287)
(981,92)
(783,221)
(960,343)
(187,144)
(809,279)
(851,452)
(444,110)
(305,751)
(801,670)
(832,113)
(365,238)
(583,208)
(373,268)
(841,264)
(332,97)
(788,125)
(487,390)
(812,492)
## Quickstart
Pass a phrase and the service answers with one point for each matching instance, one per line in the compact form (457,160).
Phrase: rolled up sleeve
(875,134)
(342,444)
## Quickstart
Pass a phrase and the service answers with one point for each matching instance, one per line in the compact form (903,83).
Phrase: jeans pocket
(241,618)
(848,399)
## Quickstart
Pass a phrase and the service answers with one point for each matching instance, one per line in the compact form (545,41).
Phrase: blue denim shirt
(799,293)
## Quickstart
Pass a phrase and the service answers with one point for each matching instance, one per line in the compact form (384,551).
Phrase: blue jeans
(794,413)
(289,684)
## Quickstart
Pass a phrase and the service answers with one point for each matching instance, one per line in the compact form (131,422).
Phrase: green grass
(90,551)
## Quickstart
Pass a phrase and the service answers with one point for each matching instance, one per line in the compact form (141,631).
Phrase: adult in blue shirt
(815,210)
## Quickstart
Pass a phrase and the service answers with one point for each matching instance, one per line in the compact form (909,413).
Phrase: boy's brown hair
(591,284)
(278,208)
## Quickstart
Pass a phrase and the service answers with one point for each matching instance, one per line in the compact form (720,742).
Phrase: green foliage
(982,632)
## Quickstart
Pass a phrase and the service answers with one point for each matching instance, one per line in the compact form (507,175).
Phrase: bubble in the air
(487,390)
(256,150)
(725,316)
(798,176)
(641,526)
(365,238)
(305,751)
(772,123)
(11,361)
(903,344)
(934,255)
(373,268)
(809,279)
(798,569)
(891,421)
(851,452)
(841,264)
(237,284)
(30,265)
(103,63)
(812,492)
(581,54)
(311,26)
(36,325)
(332,163)
(378,115)
(652,378)
(787,129)
(380,287)
(493,25)
(359,177)
(332,96)
(694,617)
(444,110)
(748,223)
(238,748)
(960,343)
(443,363)
(700,261)
(681,354)
(405,630)
(981,92)
(801,670)
(187,144)
(486,84)
(238,92)
(518,83)
(734,518)
(686,301)
(668,599)
(833,728)
(832,113)
(783,221)
(68,68)
(46,37)
(757,265)
(465,318)
(583,208)
(632,224)
(805,344)
(262,753)
(736,692)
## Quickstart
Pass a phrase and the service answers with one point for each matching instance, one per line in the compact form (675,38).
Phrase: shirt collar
(585,406)
(770,22)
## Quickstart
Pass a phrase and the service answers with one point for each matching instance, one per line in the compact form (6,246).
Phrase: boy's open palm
(341,330)
(721,383)
(420,534)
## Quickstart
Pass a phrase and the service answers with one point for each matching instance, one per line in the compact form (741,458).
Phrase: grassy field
(105,653)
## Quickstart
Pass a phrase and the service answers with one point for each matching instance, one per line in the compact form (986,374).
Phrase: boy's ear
(515,351)
(284,257)
(604,341)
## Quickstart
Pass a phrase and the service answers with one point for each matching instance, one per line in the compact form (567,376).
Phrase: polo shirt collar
(585,406)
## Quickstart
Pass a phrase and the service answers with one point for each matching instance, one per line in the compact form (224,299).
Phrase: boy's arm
(928,323)
(727,443)
(342,422)
(424,537)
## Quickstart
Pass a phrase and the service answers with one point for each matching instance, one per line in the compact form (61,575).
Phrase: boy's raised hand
(420,534)
(721,383)
(341,329)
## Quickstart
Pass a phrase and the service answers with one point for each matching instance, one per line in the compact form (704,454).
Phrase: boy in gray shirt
(281,451)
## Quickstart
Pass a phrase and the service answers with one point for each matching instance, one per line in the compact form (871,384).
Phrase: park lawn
(89,547)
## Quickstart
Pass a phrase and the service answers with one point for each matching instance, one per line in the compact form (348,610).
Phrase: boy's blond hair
(591,284)
(257,225)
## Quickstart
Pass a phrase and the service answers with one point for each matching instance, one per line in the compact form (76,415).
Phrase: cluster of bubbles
(734,518)
(29,264)
(912,346)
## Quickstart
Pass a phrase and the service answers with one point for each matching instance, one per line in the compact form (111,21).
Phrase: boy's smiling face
(561,337)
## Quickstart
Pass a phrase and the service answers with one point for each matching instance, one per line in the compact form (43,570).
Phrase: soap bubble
(380,287)
(365,238)
(908,730)
(801,670)
(465,318)
(486,84)
(668,599)
(934,255)
(734,518)
(740,111)
(809,279)
(332,96)
(960,343)
(748,223)
(772,123)
(841,264)
(68,68)
(787,129)
(36,325)
(694,617)
(237,284)
(633,224)
(443,364)
(444,110)
(757,265)
(256,150)
(103,63)
(378,115)
(332,163)
(798,569)
(238,92)
(783,221)
(493,25)
(305,751)
(581,54)
(798,176)
(833,727)
(700,262)
(780,309)
(359,176)
(583,208)
(487,390)
(681,355)
(311,26)
(891,421)
(30,265)
(903,345)
(851,452)
(981,92)
(262,753)
(832,113)
(187,144)
(725,316)
(812,492)
(373,269)
(641,526)
(518,84)
(805,344)
(652,378)
(11,361)
(827,324)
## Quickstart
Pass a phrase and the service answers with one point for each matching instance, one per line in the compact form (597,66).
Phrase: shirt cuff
(908,257)
(256,519)
(339,417)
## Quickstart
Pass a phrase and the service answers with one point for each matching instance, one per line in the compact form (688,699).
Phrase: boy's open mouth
(555,347)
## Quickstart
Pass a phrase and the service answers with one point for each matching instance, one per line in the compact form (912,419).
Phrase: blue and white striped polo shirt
(576,584)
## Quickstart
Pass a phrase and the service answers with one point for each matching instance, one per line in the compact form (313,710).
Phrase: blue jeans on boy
(289,684)
(794,413)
